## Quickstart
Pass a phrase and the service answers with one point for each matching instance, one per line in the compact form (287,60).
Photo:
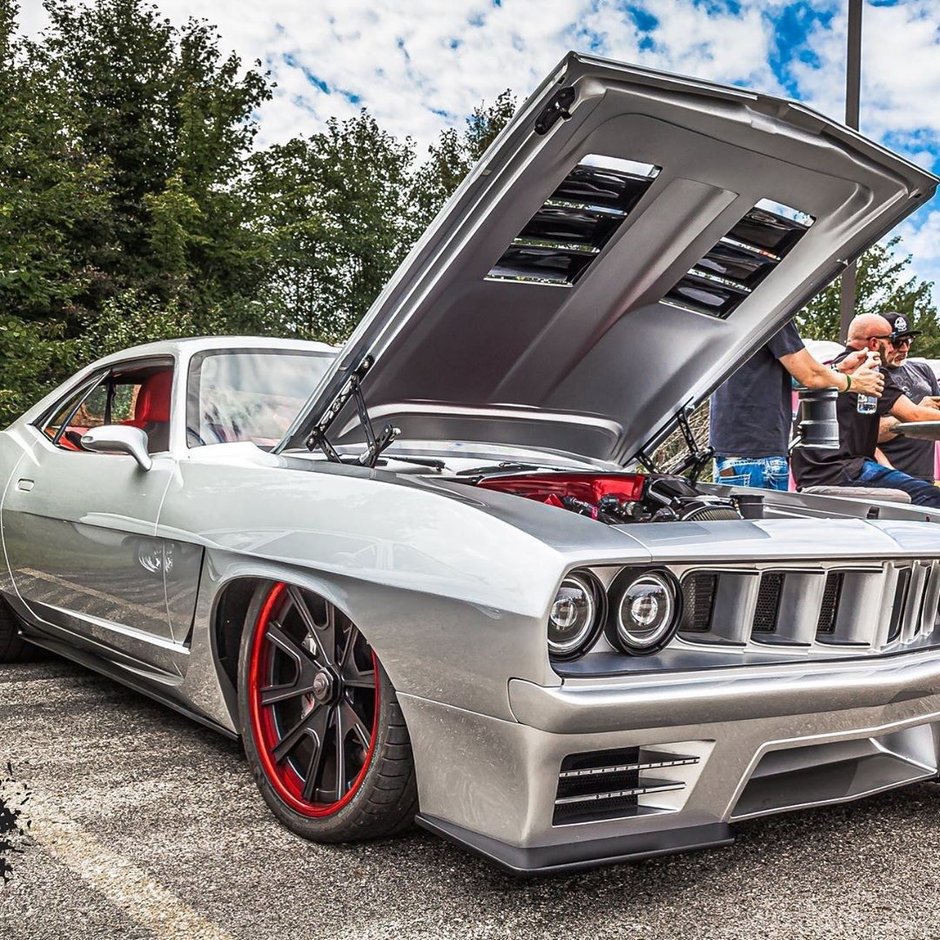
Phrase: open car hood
(609,261)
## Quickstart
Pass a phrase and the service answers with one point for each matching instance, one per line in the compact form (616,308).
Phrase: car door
(79,526)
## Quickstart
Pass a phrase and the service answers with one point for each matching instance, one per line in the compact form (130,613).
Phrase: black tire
(307,684)
(13,648)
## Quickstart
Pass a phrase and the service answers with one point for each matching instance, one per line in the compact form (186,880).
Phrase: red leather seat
(152,409)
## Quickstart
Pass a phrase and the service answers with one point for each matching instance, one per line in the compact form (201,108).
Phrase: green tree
(884,283)
(172,121)
(454,154)
(53,201)
(123,146)
(335,209)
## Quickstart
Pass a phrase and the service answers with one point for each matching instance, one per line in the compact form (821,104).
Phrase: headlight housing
(645,610)
(575,615)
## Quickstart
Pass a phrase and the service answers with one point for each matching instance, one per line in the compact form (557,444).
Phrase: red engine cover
(550,487)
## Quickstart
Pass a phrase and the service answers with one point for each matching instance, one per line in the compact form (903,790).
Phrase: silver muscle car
(438,575)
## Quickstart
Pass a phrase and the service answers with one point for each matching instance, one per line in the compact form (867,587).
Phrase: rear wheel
(13,648)
(322,727)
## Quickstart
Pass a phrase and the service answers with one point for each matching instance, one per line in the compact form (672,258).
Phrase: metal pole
(853,71)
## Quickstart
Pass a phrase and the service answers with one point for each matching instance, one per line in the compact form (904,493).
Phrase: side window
(64,425)
(134,395)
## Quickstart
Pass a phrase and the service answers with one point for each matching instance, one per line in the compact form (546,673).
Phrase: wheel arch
(231,610)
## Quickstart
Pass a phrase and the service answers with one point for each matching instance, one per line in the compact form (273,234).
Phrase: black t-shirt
(858,438)
(750,414)
(915,379)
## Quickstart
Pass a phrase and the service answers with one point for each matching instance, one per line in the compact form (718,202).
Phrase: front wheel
(322,727)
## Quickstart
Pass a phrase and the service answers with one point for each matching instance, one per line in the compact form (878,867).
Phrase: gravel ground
(148,825)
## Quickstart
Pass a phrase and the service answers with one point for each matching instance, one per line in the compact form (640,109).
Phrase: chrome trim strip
(616,794)
(624,768)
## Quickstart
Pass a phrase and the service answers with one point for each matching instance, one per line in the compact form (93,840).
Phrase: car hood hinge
(375,444)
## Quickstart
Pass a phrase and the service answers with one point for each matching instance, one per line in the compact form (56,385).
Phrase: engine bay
(619,498)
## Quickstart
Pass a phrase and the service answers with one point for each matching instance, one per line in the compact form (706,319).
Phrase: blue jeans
(921,492)
(768,473)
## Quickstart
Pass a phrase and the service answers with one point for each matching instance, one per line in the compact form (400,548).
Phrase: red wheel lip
(262,726)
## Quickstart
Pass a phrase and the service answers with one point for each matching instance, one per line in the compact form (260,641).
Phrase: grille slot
(698,594)
(829,610)
(900,602)
(619,783)
(768,602)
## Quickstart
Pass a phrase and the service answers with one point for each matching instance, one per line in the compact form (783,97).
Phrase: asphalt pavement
(145,825)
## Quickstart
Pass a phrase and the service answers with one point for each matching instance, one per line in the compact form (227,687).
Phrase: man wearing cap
(750,415)
(917,381)
(857,461)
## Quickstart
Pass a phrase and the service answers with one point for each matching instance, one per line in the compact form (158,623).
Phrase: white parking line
(129,888)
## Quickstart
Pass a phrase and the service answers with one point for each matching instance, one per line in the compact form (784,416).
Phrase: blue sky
(423,65)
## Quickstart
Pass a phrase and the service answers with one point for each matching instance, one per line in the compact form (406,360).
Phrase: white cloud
(425,65)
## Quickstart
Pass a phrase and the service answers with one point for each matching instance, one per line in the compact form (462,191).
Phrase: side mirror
(119,439)
(816,421)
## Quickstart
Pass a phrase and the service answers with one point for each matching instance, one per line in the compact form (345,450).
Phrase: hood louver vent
(572,227)
(728,273)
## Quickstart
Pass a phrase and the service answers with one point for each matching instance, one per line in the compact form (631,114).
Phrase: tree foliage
(883,284)
(455,153)
(335,210)
(134,205)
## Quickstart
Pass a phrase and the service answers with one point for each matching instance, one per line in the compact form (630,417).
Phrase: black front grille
(768,602)
(829,609)
(698,595)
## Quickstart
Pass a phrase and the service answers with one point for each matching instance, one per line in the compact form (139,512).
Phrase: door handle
(25,484)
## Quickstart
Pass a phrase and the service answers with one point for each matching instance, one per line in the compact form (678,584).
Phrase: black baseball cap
(899,325)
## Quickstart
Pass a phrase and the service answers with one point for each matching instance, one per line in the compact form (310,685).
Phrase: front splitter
(579,855)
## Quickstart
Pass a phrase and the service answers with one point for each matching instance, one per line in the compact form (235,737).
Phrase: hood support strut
(696,458)
(375,444)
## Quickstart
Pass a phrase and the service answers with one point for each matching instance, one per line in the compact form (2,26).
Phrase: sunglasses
(896,339)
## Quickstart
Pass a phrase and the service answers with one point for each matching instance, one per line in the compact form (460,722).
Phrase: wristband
(848,381)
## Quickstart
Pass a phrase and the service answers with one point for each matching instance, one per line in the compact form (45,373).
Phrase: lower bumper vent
(614,784)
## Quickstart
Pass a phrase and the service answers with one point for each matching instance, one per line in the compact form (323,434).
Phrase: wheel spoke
(317,733)
(364,680)
(348,646)
(272,694)
(290,740)
(340,738)
(304,668)
(355,724)
(355,677)
(324,635)
(278,638)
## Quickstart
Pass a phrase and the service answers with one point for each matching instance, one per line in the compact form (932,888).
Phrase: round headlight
(573,616)
(646,615)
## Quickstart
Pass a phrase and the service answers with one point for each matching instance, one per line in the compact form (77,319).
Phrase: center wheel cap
(323,686)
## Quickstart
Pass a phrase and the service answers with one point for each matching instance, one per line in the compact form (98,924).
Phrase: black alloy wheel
(322,727)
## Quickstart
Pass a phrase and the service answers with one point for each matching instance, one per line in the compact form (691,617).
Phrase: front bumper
(767,739)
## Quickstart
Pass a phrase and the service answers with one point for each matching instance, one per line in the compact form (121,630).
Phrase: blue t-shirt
(752,412)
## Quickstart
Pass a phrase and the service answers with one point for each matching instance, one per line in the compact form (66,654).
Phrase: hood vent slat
(727,273)
(561,240)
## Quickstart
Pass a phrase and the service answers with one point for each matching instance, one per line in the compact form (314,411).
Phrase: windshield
(249,395)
